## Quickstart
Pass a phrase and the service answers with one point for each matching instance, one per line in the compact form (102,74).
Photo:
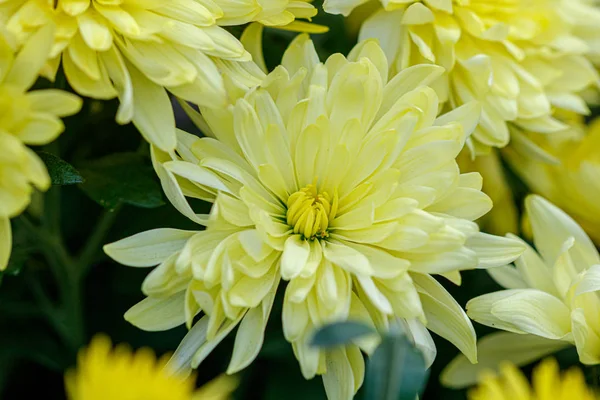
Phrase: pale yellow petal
(5,242)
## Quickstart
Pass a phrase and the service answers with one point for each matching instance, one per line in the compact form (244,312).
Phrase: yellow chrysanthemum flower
(119,374)
(572,180)
(134,49)
(551,299)
(518,58)
(26,118)
(330,178)
(547,384)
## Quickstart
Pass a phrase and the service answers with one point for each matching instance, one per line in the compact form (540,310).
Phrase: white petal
(250,335)
(339,379)
(180,363)
(158,314)
(375,295)
(552,226)
(171,187)
(586,339)
(590,281)
(423,340)
(153,113)
(347,258)
(445,316)
(534,271)
(206,348)
(149,248)
(522,311)
(248,340)
(296,251)
(494,251)
(117,70)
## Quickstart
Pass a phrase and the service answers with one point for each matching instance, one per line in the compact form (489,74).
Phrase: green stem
(53,249)
(69,273)
(95,241)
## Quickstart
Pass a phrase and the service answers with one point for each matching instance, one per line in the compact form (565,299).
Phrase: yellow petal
(30,60)
(153,114)
(55,102)
(5,242)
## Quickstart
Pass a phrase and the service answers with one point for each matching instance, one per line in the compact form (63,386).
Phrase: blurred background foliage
(110,192)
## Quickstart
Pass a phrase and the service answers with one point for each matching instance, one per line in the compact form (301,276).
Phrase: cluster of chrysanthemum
(335,181)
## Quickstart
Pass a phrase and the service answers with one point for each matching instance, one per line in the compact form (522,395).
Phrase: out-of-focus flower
(26,118)
(518,58)
(135,49)
(336,181)
(547,384)
(572,181)
(551,297)
(119,374)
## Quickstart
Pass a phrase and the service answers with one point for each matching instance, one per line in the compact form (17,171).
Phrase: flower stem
(67,318)
(95,241)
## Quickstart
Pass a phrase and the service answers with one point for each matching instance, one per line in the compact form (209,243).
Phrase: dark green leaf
(340,333)
(396,371)
(60,171)
(122,178)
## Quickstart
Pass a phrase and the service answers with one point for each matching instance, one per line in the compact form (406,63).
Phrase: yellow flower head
(134,49)
(547,384)
(570,180)
(119,374)
(26,118)
(330,178)
(552,293)
(518,58)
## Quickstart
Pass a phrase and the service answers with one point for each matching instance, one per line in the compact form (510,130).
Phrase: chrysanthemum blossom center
(309,212)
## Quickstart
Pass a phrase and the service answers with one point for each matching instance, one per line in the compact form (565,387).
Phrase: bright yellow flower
(519,58)
(26,118)
(134,49)
(547,384)
(572,181)
(551,294)
(119,374)
(329,178)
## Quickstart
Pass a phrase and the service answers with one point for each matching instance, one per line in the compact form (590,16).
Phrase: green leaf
(60,171)
(121,178)
(340,333)
(396,370)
